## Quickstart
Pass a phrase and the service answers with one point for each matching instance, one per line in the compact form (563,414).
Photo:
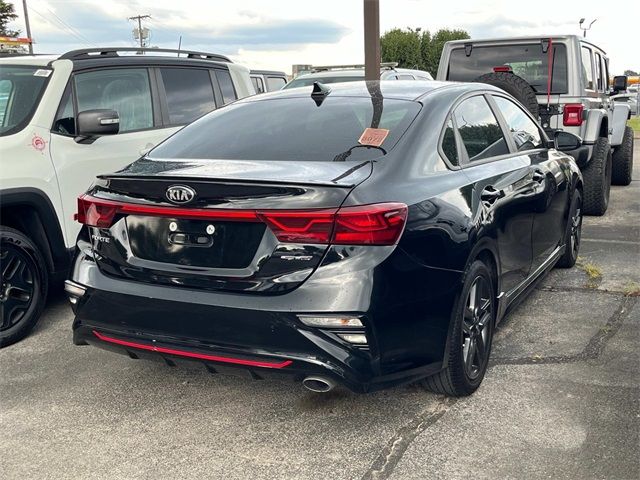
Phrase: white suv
(64,120)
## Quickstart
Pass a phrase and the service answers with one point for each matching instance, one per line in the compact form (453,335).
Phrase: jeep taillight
(572,116)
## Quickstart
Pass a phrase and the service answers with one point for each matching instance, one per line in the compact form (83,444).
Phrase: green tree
(630,73)
(436,45)
(7,15)
(402,46)
(416,48)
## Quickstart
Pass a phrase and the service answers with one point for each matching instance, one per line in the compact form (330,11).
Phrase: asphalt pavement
(561,399)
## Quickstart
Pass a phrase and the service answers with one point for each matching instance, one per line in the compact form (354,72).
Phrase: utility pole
(141,36)
(26,21)
(371,40)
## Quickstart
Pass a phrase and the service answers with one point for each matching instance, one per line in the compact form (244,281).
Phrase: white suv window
(125,90)
(587,68)
(275,83)
(189,93)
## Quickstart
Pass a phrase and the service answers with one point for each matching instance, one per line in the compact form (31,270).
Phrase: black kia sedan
(363,234)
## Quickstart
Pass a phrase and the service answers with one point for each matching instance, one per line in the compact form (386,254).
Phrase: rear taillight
(572,116)
(380,224)
(96,213)
(377,224)
(304,226)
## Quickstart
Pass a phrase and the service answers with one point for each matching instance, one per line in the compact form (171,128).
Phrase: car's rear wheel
(470,337)
(597,179)
(572,233)
(622,168)
(23,285)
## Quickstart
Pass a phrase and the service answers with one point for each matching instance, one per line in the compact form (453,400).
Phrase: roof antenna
(319,92)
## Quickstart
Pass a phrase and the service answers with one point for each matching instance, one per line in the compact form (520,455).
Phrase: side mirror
(566,142)
(98,122)
(619,83)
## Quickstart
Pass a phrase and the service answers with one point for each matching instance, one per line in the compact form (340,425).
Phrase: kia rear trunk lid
(238,227)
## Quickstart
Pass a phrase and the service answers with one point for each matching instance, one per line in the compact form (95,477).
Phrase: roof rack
(322,68)
(88,53)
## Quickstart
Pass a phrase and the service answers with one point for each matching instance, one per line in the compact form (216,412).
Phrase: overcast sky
(275,34)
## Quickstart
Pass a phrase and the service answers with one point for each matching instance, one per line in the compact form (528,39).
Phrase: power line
(69,26)
(47,20)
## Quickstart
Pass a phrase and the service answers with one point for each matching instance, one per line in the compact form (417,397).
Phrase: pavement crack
(385,463)
(592,350)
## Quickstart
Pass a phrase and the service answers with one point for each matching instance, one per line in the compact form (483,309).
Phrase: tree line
(417,48)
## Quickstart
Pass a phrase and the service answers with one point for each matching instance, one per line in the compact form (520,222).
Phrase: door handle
(538,176)
(490,194)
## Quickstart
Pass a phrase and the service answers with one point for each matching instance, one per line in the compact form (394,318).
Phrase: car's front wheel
(470,336)
(23,285)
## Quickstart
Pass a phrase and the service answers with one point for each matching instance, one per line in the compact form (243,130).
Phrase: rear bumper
(262,335)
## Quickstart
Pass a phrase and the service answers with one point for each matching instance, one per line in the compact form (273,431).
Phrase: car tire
(472,326)
(572,233)
(23,288)
(622,167)
(516,86)
(597,179)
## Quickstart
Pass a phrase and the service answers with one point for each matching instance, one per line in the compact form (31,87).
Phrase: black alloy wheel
(476,327)
(573,233)
(23,285)
(470,336)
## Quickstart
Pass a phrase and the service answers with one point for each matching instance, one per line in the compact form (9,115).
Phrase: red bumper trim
(201,356)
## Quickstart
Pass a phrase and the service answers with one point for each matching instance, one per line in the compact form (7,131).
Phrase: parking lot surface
(561,399)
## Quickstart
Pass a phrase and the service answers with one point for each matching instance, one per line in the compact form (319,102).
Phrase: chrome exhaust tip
(318,384)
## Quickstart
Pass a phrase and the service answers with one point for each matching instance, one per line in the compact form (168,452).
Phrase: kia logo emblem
(180,194)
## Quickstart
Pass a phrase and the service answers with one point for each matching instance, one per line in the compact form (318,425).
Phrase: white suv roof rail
(88,53)
(321,68)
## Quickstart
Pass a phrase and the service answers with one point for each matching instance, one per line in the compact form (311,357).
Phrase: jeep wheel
(622,167)
(597,179)
(516,86)
(23,288)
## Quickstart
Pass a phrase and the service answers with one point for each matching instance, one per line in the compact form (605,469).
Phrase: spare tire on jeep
(514,85)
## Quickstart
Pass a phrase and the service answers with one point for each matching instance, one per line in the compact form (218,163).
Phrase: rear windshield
(527,61)
(306,81)
(290,129)
(20,90)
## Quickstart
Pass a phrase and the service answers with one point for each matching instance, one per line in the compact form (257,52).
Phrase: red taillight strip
(152,210)
(201,356)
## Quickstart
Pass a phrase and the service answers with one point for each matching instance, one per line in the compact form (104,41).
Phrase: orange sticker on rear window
(373,136)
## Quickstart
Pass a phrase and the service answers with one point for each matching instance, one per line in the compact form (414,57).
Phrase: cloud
(100,28)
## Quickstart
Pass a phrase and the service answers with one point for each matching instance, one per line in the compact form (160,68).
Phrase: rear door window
(587,68)
(599,79)
(449,144)
(275,83)
(189,93)
(125,90)
(226,86)
(524,132)
(479,129)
